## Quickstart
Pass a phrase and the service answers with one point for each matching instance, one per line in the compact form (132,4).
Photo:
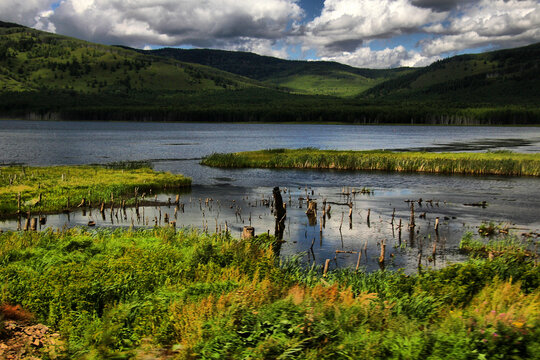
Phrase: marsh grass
(114,293)
(490,163)
(57,184)
(509,245)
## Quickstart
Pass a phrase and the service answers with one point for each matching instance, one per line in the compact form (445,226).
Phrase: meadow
(489,163)
(58,188)
(161,293)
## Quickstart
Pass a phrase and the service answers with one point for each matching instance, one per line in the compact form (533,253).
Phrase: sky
(361,33)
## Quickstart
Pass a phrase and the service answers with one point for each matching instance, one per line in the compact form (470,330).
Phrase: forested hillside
(47,76)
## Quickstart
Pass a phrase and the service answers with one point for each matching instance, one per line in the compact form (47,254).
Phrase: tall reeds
(491,163)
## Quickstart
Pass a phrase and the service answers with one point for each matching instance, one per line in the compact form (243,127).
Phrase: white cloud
(173,22)
(343,31)
(23,12)
(364,57)
(498,23)
(261,47)
(345,25)
(345,28)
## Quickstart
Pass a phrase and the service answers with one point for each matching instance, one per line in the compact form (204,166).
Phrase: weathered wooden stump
(326,265)
(312,208)
(248,232)
(280,213)
(83,203)
(33,224)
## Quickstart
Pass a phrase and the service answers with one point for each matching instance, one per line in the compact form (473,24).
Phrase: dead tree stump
(248,232)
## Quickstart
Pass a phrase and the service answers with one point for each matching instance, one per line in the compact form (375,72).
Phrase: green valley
(46,76)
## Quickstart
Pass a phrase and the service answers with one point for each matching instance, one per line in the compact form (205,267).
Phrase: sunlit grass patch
(490,163)
(55,188)
(114,293)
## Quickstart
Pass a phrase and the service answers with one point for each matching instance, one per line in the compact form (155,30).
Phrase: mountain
(510,76)
(302,77)
(32,60)
(49,76)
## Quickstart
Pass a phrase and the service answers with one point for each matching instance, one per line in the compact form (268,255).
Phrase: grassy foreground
(491,163)
(158,293)
(63,187)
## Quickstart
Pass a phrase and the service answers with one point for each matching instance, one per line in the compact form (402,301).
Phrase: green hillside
(303,77)
(49,76)
(32,60)
(500,77)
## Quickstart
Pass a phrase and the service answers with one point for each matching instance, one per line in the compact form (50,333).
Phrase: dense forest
(46,76)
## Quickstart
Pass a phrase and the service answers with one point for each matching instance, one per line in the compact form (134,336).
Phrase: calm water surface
(178,147)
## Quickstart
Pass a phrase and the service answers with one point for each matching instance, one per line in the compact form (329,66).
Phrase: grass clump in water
(492,163)
(131,294)
(51,189)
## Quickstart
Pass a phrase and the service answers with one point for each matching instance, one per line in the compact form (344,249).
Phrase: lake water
(235,195)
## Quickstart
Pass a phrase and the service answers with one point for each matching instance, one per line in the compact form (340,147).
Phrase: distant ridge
(504,76)
(308,77)
(50,76)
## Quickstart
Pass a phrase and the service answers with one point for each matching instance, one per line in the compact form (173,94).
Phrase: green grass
(339,84)
(138,294)
(508,246)
(32,60)
(492,163)
(57,184)
(46,76)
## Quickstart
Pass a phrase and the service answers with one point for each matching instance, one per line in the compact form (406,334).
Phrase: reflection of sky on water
(48,143)
(299,235)
(176,147)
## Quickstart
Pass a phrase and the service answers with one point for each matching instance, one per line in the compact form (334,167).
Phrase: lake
(236,196)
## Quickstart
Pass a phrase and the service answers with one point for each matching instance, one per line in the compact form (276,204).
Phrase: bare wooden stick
(358,261)
(383,252)
(326,264)
(399,232)
(411,221)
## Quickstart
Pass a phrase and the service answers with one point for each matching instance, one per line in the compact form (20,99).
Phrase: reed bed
(57,188)
(490,163)
(158,293)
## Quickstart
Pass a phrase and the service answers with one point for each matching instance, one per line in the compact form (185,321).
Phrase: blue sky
(362,33)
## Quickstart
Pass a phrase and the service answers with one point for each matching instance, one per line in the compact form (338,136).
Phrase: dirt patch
(20,338)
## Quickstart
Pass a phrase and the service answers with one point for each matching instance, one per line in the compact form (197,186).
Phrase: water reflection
(351,229)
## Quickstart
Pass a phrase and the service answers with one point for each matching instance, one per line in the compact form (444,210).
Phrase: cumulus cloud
(379,59)
(260,46)
(441,5)
(345,25)
(173,22)
(498,23)
(23,12)
(344,30)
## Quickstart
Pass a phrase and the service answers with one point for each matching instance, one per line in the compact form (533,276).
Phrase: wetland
(165,276)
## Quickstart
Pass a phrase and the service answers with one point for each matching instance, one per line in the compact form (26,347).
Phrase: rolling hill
(49,76)
(302,77)
(510,76)
(32,60)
